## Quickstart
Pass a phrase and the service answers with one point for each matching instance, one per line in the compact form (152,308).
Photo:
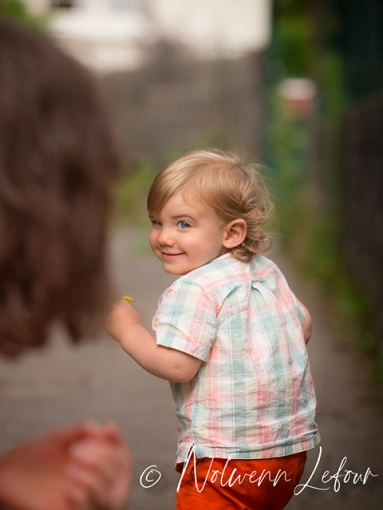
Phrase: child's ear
(235,233)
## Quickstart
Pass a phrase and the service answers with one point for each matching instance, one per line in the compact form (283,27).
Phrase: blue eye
(183,224)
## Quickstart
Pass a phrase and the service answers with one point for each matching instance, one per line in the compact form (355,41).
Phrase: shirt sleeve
(186,320)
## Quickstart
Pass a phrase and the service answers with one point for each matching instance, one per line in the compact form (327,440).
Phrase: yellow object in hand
(129,299)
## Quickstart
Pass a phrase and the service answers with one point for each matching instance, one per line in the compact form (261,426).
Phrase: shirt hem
(251,453)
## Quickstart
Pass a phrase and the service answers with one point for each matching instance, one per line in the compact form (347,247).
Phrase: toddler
(230,337)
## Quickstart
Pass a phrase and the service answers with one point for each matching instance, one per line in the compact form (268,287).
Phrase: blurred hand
(98,471)
(121,317)
(75,468)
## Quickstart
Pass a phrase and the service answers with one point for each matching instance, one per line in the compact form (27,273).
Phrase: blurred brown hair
(58,162)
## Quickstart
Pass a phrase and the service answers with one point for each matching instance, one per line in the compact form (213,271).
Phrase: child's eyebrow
(183,216)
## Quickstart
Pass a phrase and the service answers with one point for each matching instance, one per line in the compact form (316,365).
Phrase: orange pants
(258,484)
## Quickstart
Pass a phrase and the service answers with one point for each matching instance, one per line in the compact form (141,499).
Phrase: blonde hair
(219,180)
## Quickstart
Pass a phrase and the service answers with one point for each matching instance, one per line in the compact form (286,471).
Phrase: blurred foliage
(309,218)
(132,193)
(311,238)
(17,9)
(292,37)
(292,45)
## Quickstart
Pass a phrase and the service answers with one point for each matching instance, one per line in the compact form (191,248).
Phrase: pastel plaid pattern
(253,396)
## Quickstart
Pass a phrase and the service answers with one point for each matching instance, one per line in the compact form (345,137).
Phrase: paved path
(63,384)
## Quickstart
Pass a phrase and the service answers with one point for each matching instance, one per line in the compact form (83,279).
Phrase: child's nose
(165,237)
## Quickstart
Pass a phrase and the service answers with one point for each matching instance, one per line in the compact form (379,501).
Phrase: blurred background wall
(177,74)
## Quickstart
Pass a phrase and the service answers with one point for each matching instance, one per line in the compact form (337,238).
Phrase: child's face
(185,237)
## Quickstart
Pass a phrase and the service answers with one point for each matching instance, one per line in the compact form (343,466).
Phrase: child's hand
(121,317)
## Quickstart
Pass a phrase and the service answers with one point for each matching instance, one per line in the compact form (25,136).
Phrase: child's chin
(175,272)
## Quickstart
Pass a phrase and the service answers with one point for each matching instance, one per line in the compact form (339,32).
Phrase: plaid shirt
(253,396)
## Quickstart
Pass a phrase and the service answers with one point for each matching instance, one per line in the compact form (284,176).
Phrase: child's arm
(307,325)
(124,325)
